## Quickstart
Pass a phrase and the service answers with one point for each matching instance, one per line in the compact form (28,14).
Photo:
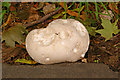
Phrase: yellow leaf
(77,9)
(57,15)
(25,61)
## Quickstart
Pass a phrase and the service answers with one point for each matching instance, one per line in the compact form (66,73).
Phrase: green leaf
(6,4)
(2,14)
(64,17)
(13,34)
(91,30)
(108,30)
(63,12)
(71,17)
(71,5)
(25,61)
(57,15)
(57,8)
(78,10)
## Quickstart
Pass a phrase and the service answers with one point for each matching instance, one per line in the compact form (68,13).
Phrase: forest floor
(100,51)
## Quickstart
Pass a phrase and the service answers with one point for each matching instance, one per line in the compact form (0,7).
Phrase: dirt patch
(105,52)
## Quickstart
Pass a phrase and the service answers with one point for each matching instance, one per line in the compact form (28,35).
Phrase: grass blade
(98,13)
(96,10)
(86,14)
(79,8)
(106,9)
(91,12)
(65,16)
(71,5)
(87,6)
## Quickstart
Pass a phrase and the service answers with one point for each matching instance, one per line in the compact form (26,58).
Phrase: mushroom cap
(64,40)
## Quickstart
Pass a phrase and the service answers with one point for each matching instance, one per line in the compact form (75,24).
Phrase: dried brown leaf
(72,13)
(49,8)
(113,7)
(62,4)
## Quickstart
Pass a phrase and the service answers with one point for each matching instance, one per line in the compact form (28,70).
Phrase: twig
(115,36)
(105,50)
(42,19)
(18,56)
(6,23)
(7,53)
(13,54)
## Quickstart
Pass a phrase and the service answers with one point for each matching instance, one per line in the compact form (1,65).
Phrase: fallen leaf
(64,17)
(25,61)
(13,34)
(57,15)
(6,4)
(83,16)
(113,7)
(12,8)
(38,5)
(33,10)
(23,14)
(77,9)
(21,46)
(72,13)
(10,54)
(109,29)
(33,17)
(49,8)
(91,30)
(71,17)
(47,3)
(9,17)
(2,13)
(62,4)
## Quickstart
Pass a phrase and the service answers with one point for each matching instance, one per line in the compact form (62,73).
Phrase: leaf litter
(14,34)
(99,52)
(109,29)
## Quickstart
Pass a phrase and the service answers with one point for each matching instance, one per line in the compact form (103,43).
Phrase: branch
(42,19)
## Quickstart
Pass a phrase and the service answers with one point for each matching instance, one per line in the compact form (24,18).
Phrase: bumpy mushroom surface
(64,40)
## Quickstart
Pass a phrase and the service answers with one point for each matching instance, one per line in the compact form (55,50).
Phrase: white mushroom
(64,40)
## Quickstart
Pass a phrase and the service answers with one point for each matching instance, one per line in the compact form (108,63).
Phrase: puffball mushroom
(64,40)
